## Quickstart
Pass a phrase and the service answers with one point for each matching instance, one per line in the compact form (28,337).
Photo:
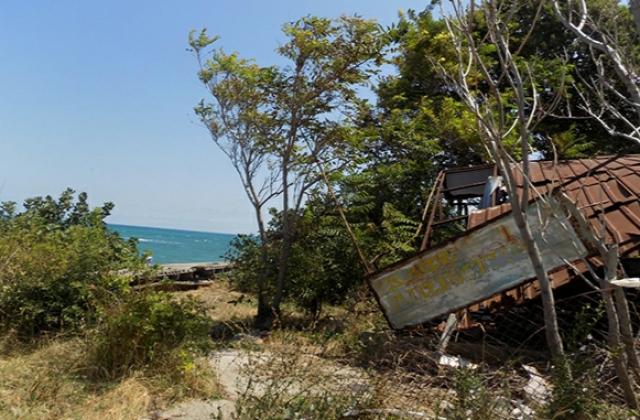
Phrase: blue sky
(98,96)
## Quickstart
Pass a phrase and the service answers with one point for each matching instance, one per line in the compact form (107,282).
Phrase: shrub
(57,261)
(146,331)
(323,265)
(244,253)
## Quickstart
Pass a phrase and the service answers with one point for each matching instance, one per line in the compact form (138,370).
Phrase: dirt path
(241,373)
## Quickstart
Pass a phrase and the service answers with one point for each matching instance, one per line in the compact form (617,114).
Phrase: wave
(158,241)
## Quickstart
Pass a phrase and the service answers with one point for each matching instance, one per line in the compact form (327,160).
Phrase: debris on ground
(456,362)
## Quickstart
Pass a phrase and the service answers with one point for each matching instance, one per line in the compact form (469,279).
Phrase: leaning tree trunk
(519,210)
(615,342)
(609,256)
(552,330)
(622,306)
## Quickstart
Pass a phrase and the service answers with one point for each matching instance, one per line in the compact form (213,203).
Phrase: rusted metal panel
(471,268)
(605,188)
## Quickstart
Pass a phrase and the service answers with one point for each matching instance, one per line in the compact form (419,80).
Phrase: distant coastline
(177,245)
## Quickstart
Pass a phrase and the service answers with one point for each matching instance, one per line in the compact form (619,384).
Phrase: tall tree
(556,56)
(236,117)
(295,109)
(615,104)
(329,58)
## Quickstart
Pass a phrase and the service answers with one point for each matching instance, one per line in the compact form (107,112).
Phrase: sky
(99,96)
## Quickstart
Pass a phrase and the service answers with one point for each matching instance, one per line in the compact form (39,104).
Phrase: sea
(177,246)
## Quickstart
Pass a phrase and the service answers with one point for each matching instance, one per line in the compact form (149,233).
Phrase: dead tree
(603,98)
(603,101)
(510,87)
(619,340)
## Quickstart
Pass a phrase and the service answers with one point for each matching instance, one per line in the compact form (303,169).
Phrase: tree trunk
(283,263)
(626,330)
(610,259)
(634,5)
(519,209)
(613,338)
(615,346)
(264,317)
(552,331)
(624,317)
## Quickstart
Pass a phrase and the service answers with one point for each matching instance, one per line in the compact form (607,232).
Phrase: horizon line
(166,228)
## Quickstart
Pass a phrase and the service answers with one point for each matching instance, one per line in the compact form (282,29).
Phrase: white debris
(538,388)
(456,362)
(630,282)
(513,409)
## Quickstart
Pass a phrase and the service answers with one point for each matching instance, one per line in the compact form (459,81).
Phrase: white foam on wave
(158,241)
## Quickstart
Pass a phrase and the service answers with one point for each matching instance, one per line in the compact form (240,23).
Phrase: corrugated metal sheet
(606,189)
(472,267)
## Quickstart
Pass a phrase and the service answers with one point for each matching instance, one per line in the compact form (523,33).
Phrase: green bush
(58,260)
(244,253)
(147,330)
(323,266)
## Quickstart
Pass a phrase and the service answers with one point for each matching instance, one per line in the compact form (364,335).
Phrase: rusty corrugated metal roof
(606,189)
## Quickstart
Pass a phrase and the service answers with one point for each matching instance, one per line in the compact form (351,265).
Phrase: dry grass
(223,303)
(47,382)
(304,355)
(354,336)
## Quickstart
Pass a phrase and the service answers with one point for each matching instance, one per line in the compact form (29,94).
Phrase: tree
(514,109)
(506,115)
(238,122)
(419,100)
(611,48)
(620,337)
(606,102)
(328,60)
(294,110)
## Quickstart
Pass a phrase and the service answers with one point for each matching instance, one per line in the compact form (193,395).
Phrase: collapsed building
(486,269)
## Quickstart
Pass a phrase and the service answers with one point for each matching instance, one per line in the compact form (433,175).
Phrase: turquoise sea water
(174,246)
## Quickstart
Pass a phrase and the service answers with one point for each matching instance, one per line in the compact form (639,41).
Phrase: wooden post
(437,203)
